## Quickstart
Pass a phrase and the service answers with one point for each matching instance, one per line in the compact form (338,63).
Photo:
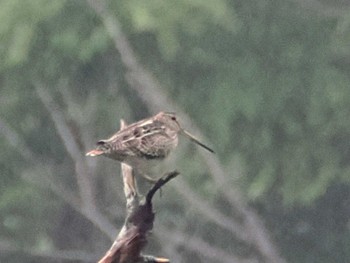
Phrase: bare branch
(16,141)
(210,212)
(55,186)
(162,181)
(132,238)
(129,182)
(82,172)
(59,121)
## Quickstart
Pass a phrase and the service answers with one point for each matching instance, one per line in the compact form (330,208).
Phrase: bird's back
(146,140)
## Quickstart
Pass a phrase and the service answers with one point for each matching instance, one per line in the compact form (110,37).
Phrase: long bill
(194,139)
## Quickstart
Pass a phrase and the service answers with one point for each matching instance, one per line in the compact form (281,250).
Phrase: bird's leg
(149,179)
(152,180)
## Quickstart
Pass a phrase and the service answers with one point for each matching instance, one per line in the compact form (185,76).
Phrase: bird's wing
(148,141)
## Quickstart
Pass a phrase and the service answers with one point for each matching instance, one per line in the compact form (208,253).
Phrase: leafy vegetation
(267,81)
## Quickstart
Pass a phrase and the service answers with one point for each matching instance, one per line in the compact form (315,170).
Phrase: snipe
(142,143)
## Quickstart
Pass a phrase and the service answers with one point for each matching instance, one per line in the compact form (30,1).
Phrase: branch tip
(162,181)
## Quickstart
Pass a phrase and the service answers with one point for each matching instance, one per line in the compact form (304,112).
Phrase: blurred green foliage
(267,81)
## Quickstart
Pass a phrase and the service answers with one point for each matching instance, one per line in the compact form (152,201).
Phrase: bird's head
(170,119)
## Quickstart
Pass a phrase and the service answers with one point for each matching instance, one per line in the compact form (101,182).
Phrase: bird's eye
(173,118)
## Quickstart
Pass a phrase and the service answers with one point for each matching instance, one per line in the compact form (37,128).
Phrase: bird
(145,143)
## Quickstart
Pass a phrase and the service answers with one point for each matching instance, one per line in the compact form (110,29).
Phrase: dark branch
(132,238)
(162,181)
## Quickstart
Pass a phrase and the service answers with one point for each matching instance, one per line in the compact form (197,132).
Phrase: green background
(266,81)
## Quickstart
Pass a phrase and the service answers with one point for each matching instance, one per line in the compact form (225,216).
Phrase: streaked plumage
(144,142)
